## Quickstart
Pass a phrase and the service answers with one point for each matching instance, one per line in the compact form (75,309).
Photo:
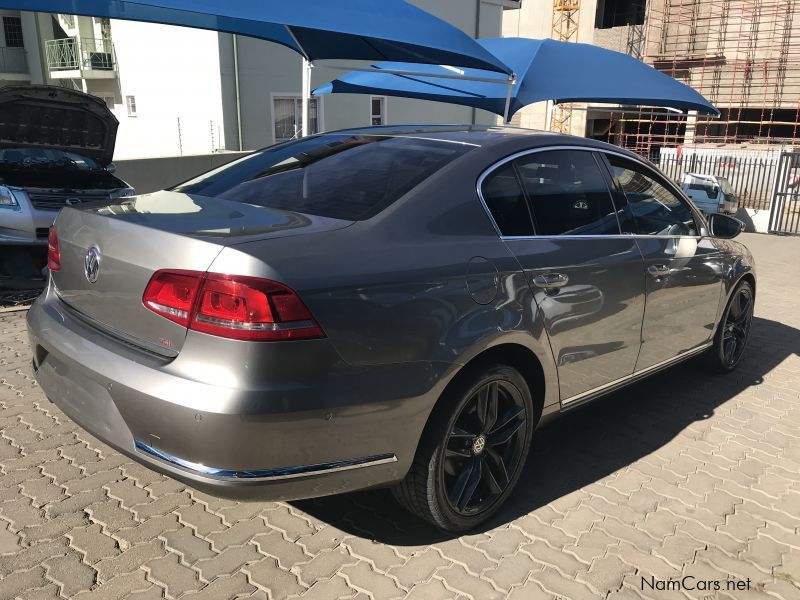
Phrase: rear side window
(505,200)
(568,193)
(345,176)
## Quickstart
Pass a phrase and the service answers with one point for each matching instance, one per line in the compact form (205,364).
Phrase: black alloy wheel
(733,332)
(736,328)
(472,450)
(484,445)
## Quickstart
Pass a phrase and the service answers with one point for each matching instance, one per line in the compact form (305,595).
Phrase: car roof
(480,135)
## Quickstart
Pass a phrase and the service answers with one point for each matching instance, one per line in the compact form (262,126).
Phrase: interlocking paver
(70,573)
(128,561)
(229,560)
(278,582)
(172,575)
(15,583)
(690,473)
(419,568)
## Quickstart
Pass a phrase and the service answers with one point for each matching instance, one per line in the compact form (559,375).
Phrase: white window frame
(293,96)
(383,116)
(128,103)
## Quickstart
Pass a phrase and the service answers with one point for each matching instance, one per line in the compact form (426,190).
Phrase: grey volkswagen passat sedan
(381,306)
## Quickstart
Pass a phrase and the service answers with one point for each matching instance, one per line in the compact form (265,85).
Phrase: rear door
(683,270)
(555,212)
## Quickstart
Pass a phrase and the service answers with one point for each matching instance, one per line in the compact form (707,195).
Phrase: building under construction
(743,55)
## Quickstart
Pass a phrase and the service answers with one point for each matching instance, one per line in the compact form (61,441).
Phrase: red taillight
(172,294)
(231,306)
(53,251)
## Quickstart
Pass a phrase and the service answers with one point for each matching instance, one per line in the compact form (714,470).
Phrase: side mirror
(111,167)
(724,226)
(714,193)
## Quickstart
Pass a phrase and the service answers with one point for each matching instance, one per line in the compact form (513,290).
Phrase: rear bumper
(340,429)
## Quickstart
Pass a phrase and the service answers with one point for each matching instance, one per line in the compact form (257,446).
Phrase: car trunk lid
(139,236)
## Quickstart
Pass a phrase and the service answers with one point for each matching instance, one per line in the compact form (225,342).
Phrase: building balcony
(78,57)
(13,63)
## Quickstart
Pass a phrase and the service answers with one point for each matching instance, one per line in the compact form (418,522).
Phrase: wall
(152,174)
(173,72)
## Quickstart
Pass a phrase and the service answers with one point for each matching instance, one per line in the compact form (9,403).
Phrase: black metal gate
(784,214)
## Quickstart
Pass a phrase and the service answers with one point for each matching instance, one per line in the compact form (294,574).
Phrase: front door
(683,270)
(556,214)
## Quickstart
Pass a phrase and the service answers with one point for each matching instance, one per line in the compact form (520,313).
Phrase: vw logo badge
(91,264)
(72,201)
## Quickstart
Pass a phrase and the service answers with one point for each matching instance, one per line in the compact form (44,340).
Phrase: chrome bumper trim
(268,474)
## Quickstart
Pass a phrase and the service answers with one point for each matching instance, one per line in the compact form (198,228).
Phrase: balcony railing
(13,60)
(73,53)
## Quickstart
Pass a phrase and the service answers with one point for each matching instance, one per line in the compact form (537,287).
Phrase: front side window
(652,209)
(342,176)
(504,198)
(568,193)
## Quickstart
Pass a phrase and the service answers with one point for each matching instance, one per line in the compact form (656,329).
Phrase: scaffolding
(743,55)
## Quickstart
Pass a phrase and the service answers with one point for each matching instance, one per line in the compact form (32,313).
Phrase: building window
(109,100)
(287,117)
(12,28)
(130,102)
(378,112)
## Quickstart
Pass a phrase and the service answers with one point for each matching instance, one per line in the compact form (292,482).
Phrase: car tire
(733,332)
(464,451)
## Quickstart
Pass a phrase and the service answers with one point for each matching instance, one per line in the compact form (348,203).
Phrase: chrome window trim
(494,166)
(637,374)
(255,475)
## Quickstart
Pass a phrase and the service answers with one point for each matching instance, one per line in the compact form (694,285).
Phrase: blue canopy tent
(545,70)
(389,30)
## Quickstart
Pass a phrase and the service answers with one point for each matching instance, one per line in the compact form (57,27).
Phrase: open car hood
(43,116)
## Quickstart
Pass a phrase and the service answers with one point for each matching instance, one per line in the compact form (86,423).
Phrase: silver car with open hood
(56,147)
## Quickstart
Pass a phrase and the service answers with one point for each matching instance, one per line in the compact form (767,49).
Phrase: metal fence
(13,60)
(751,173)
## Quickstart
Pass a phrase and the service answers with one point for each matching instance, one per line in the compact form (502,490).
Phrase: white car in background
(56,147)
(710,193)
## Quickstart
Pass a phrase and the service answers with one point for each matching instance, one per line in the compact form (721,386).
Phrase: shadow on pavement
(586,445)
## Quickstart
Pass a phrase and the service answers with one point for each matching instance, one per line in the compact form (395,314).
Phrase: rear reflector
(231,306)
(53,251)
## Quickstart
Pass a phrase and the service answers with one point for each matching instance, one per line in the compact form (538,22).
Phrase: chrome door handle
(550,280)
(658,271)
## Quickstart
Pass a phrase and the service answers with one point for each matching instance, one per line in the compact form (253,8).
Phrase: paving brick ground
(686,474)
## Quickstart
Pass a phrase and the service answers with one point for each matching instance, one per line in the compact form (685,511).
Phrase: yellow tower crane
(566,15)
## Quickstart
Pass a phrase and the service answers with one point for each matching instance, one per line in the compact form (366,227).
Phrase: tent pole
(304,121)
(305,78)
(548,116)
(506,116)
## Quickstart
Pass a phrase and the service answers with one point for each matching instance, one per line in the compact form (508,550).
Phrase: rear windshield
(342,176)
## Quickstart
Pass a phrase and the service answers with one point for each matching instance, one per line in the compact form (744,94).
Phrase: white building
(187,91)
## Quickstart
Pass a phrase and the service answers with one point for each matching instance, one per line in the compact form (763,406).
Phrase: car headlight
(7,199)
(126,192)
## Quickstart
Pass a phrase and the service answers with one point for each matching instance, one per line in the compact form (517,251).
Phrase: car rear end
(162,335)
